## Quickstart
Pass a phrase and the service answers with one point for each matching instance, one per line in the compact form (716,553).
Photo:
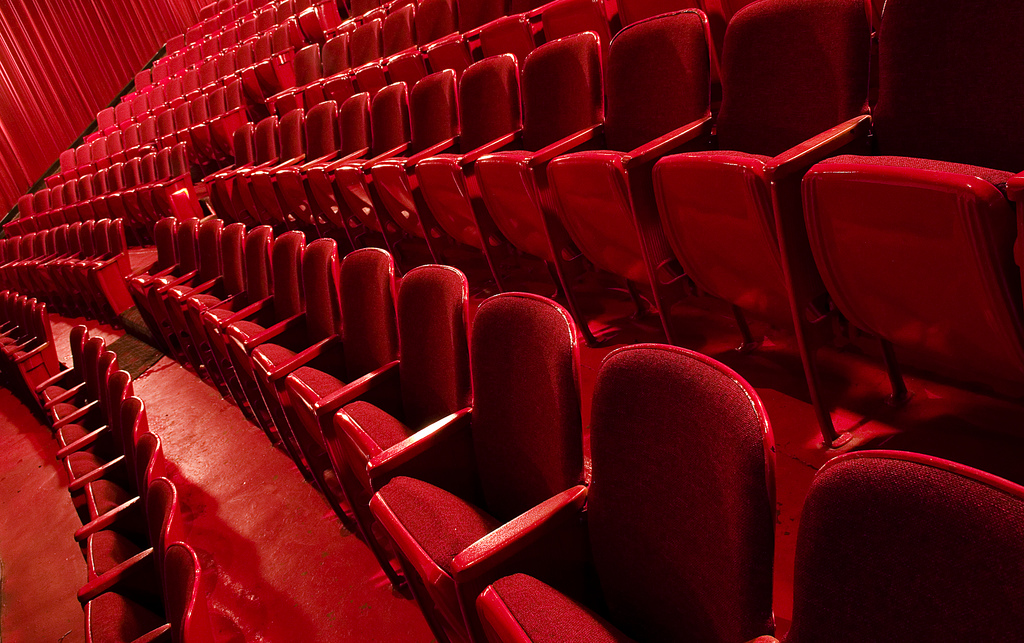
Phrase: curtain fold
(61,61)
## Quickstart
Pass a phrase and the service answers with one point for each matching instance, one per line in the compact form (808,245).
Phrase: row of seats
(651,216)
(28,354)
(143,580)
(79,269)
(416,425)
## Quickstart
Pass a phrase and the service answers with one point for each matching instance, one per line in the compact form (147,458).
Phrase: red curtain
(61,61)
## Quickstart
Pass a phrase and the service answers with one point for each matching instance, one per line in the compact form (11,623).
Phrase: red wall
(61,61)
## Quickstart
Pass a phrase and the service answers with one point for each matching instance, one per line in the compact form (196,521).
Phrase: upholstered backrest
(365,43)
(389,118)
(943,89)
(335,55)
(293,134)
(149,459)
(355,123)
(94,348)
(433,110)
(682,503)
(562,89)
(265,139)
(434,19)
(433,327)
(817,50)
(322,134)
(931,549)
(489,101)
(163,513)
(232,250)
(188,247)
(320,283)
(41,200)
(165,238)
(307,65)
(527,430)
(286,263)
(658,78)
(185,596)
(259,279)
(631,11)
(397,32)
(476,13)
(208,244)
(243,144)
(368,305)
(85,239)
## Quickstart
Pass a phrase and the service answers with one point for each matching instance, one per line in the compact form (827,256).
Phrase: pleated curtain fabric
(61,61)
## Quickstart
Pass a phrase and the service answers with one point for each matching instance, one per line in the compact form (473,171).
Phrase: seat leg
(831,438)
(749,343)
(900,395)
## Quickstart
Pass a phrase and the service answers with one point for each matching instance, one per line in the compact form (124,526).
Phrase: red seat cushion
(385,430)
(548,616)
(995,177)
(52,392)
(106,549)
(82,462)
(112,618)
(244,330)
(63,410)
(270,355)
(442,523)
(206,300)
(71,432)
(319,383)
(104,495)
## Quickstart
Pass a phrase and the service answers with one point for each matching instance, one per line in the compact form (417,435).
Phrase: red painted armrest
(668,143)
(161,634)
(76,415)
(177,281)
(129,510)
(35,351)
(66,395)
(764,639)
(564,146)
(348,158)
(382,376)
(1015,187)
(223,303)
(292,323)
(250,310)
(471,157)
(116,575)
(389,464)
(795,161)
(79,483)
(486,555)
(292,162)
(433,150)
(52,381)
(396,151)
(82,442)
(304,357)
(204,287)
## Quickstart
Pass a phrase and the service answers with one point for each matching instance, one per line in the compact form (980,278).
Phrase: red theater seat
(734,218)
(657,85)
(682,543)
(917,245)
(850,544)
(563,108)
(509,472)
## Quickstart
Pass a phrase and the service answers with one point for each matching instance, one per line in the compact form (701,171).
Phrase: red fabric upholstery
(112,618)
(527,430)
(560,94)
(816,49)
(443,524)
(658,79)
(548,616)
(106,549)
(947,569)
(951,102)
(682,514)
(367,299)
(433,110)
(385,430)
(433,342)
(489,101)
